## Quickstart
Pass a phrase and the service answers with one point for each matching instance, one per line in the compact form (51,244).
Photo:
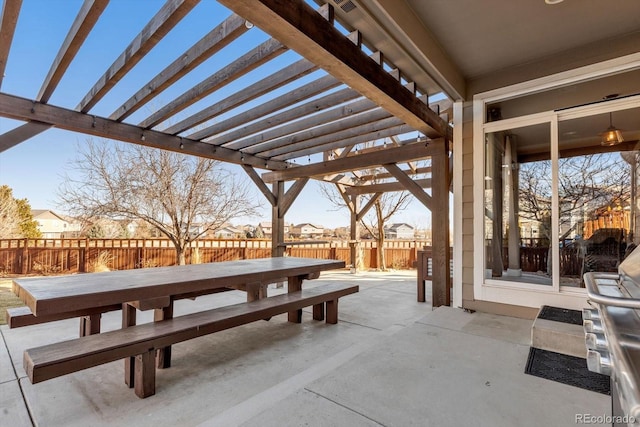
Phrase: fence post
(332,252)
(25,257)
(82,256)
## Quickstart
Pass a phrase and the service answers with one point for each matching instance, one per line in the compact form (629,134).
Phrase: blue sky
(34,168)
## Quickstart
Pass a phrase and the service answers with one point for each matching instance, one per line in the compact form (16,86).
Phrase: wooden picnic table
(54,298)
(60,294)
(157,288)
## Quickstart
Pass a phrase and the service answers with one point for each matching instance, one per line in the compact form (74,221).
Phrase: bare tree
(584,183)
(374,222)
(184,197)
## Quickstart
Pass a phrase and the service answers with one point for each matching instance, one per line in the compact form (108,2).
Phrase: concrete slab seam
(15,373)
(344,406)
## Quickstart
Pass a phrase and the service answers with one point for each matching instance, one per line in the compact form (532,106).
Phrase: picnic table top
(50,295)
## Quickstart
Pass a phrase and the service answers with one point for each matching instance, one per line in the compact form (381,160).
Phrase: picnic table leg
(129,319)
(318,311)
(332,311)
(295,284)
(163,355)
(90,325)
(256,291)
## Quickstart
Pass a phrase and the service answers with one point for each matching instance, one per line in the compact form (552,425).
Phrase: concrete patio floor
(390,361)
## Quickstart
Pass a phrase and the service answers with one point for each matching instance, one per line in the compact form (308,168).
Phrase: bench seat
(18,317)
(141,341)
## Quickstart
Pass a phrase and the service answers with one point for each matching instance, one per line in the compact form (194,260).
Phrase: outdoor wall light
(612,136)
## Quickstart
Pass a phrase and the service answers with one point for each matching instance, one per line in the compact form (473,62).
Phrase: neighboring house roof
(308,224)
(46,214)
(398,225)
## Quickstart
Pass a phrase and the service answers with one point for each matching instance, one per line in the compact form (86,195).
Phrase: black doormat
(565,369)
(563,315)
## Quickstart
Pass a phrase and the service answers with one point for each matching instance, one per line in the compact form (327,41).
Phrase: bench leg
(163,355)
(90,325)
(332,311)
(129,319)
(145,374)
(294,284)
(318,311)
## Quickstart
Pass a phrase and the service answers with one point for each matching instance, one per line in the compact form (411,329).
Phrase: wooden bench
(142,341)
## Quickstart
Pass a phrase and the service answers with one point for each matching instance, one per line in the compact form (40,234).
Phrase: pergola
(360,98)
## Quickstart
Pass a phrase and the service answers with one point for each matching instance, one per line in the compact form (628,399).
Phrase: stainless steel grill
(612,335)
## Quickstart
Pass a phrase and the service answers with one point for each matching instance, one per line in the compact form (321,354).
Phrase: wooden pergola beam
(260,184)
(274,81)
(27,110)
(292,97)
(385,187)
(304,30)
(291,195)
(347,201)
(22,133)
(412,186)
(379,131)
(80,29)
(246,136)
(214,41)
(385,175)
(313,124)
(9,20)
(320,134)
(167,17)
(236,69)
(372,201)
(363,161)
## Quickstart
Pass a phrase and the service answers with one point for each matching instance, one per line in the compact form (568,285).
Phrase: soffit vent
(347,7)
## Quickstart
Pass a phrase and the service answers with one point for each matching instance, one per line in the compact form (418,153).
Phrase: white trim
(534,298)
(626,103)
(478,199)
(518,122)
(555,205)
(566,78)
(458,118)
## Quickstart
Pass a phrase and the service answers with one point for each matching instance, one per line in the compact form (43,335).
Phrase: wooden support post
(294,285)
(129,319)
(318,311)
(277,221)
(423,267)
(332,311)
(441,281)
(145,374)
(354,233)
(90,325)
(163,355)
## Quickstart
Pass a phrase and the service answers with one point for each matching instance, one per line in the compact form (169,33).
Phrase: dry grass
(7,299)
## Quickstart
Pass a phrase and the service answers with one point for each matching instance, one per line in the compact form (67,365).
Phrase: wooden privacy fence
(66,256)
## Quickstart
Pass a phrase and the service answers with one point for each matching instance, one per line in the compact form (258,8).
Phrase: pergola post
(277,221)
(354,231)
(441,282)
